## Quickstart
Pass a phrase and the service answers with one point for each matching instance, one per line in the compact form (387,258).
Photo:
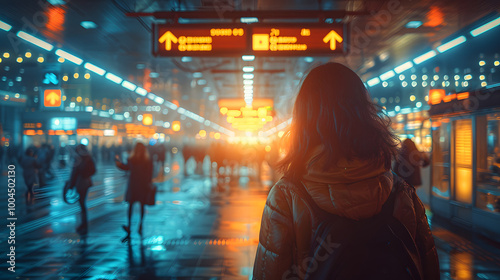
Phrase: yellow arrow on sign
(52,97)
(168,38)
(333,37)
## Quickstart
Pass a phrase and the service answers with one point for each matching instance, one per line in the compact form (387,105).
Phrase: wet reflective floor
(201,228)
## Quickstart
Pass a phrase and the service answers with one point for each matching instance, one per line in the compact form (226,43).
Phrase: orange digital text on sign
(52,98)
(201,40)
(296,39)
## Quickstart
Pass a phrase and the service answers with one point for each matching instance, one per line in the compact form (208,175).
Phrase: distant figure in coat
(338,162)
(83,169)
(408,163)
(140,168)
(30,167)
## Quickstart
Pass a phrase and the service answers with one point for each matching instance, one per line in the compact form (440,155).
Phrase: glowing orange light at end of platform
(147,119)
(176,125)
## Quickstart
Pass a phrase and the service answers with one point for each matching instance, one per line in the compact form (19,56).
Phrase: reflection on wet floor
(201,228)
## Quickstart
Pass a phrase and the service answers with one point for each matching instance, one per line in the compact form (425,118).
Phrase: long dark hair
(140,153)
(333,110)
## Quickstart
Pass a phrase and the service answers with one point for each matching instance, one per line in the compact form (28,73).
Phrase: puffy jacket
(356,190)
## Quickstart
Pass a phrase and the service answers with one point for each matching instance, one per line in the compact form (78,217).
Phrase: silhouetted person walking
(30,167)
(409,161)
(339,210)
(83,169)
(140,169)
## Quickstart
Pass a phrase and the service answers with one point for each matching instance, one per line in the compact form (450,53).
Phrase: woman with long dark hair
(338,161)
(140,167)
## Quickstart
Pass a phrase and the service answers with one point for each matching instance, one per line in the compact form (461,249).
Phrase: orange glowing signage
(259,39)
(52,98)
(436,95)
(462,95)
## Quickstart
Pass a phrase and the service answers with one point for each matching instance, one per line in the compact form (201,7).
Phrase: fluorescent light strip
(488,26)
(248,69)
(248,57)
(34,40)
(373,82)
(248,76)
(426,56)
(113,78)
(170,105)
(403,67)
(68,56)
(159,100)
(451,44)
(141,91)
(89,66)
(387,75)
(248,82)
(151,96)
(5,26)
(128,85)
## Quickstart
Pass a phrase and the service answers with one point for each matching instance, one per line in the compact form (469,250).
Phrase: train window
(462,160)
(488,162)
(441,158)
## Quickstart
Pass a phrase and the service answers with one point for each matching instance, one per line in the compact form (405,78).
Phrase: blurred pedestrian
(30,167)
(334,211)
(409,161)
(140,169)
(83,169)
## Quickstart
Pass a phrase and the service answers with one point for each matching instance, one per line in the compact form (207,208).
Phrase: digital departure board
(257,39)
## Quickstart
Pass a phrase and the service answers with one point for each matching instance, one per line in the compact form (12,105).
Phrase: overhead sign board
(258,39)
(52,98)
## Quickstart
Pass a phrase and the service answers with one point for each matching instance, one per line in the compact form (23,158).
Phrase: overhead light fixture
(56,2)
(159,100)
(152,96)
(32,39)
(249,20)
(170,105)
(248,82)
(113,78)
(451,44)
(483,28)
(186,59)
(4,26)
(154,75)
(68,56)
(248,86)
(141,91)
(128,85)
(87,24)
(403,67)
(248,69)
(414,24)
(197,75)
(387,75)
(426,56)
(89,66)
(308,59)
(248,57)
(248,76)
(373,82)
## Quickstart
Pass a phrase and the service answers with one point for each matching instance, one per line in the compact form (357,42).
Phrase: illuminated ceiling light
(248,90)
(197,75)
(249,20)
(65,78)
(151,96)
(248,69)
(451,44)
(483,84)
(482,63)
(170,105)
(76,75)
(248,76)
(403,67)
(89,66)
(418,104)
(87,24)
(86,76)
(4,26)
(61,60)
(186,59)
(414,24)
(128,85)
(308,59)
(387,75)
(373,82)
(482,77)
(413,84)
(159,100)
(413,77)
(248,57)
(113,78)
(207,89)
(467,77)
(456,77)
(397,108)
(496,63)
(248,82)
(141,91)
(68,56)
(488,26)
(19,59)
(27,54)
(426,56)
(385,84)
(6,54)
(248,86)
(32,39)
(154,75)
(404,84)
(436,77)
